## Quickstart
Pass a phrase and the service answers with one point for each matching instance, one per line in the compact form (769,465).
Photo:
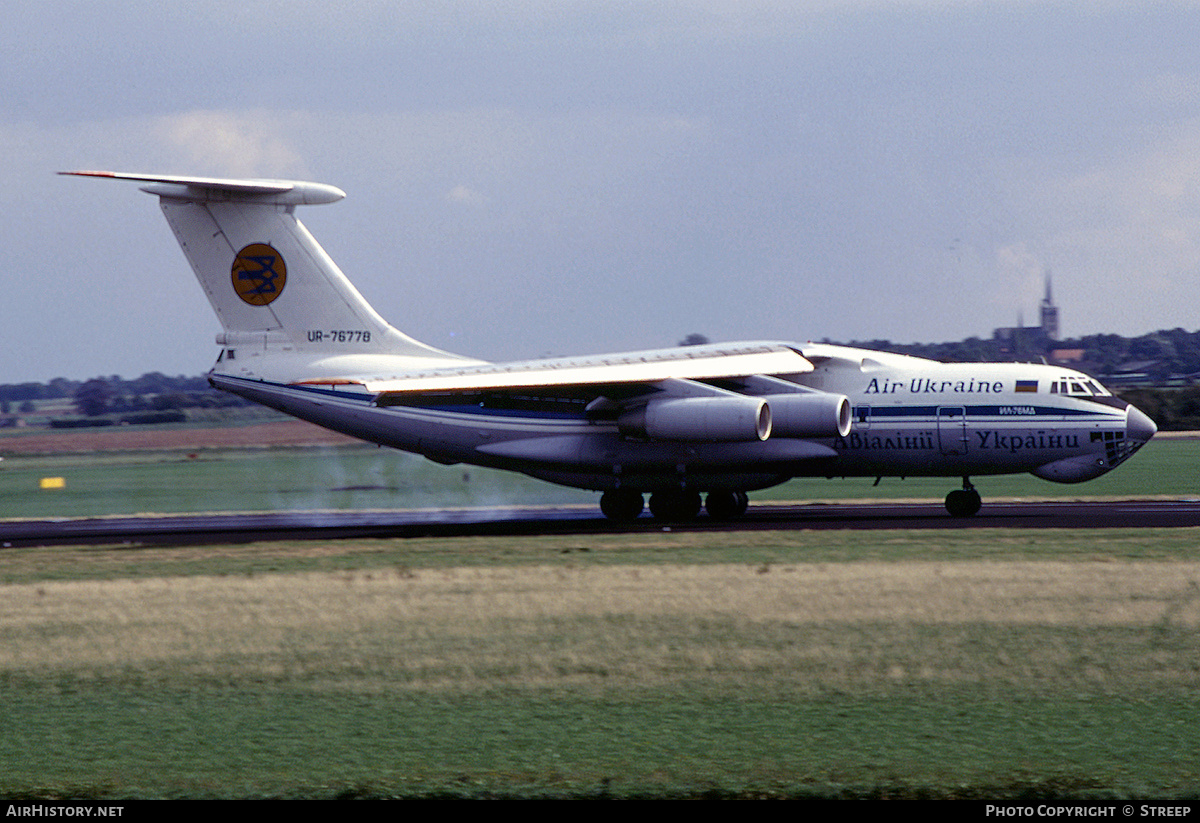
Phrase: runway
(532,521)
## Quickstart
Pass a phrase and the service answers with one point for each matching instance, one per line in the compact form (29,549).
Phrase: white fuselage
(910,417)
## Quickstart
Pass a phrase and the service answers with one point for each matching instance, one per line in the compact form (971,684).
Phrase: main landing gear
(964,502)
(622,505)
(726,505)
(673,506)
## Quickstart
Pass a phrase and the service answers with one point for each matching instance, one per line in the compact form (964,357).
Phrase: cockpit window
(1078,388)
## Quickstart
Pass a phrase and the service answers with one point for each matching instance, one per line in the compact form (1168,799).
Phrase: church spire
(1049,313)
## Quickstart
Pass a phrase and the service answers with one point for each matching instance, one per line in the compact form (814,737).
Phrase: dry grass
(139,438)
(1108,627)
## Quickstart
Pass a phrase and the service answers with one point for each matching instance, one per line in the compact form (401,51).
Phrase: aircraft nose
(1138,426)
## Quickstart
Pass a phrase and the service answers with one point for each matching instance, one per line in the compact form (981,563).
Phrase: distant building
(1049,314)
(1022,339)
(1067,355)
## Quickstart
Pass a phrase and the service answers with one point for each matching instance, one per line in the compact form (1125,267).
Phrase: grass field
(977,663)
(966,664)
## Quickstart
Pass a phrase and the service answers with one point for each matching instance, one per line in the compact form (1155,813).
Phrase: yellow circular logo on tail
(259,274)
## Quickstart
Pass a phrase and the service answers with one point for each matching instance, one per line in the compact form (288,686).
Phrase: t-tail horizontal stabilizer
(276,192)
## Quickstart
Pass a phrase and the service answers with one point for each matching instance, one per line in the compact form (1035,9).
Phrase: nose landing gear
(964,502)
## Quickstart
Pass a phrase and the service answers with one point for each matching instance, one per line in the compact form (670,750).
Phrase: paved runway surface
(245,528)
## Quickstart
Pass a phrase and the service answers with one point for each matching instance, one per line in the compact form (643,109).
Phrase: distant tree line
(152,392)
(1169,354)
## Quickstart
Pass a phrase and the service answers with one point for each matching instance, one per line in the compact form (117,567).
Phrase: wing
(628,369)
(716,393)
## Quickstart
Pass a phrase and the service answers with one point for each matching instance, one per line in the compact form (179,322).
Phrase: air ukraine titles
(924,440)
(926,385)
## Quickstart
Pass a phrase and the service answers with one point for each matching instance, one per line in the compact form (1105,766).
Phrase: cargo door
(952,430)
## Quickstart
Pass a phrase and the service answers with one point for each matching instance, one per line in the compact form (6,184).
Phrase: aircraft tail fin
(271,284)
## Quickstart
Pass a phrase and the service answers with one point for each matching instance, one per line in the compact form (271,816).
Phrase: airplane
(718,419)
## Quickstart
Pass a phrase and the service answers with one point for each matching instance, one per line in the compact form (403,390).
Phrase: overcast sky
(534,178)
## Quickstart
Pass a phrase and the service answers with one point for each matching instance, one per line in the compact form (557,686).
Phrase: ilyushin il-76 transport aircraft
(716,420)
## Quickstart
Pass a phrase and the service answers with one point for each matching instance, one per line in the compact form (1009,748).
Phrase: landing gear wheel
(963,502)
(622,505)
(743,502)
(723,505)
(675,506)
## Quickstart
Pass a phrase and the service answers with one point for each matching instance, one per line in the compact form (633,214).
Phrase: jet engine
(815,414)
(712,419)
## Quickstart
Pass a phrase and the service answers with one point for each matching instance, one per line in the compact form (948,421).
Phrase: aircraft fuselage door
(952,429)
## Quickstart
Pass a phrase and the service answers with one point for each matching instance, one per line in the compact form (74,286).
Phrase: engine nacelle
(712,419)
(815,414)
